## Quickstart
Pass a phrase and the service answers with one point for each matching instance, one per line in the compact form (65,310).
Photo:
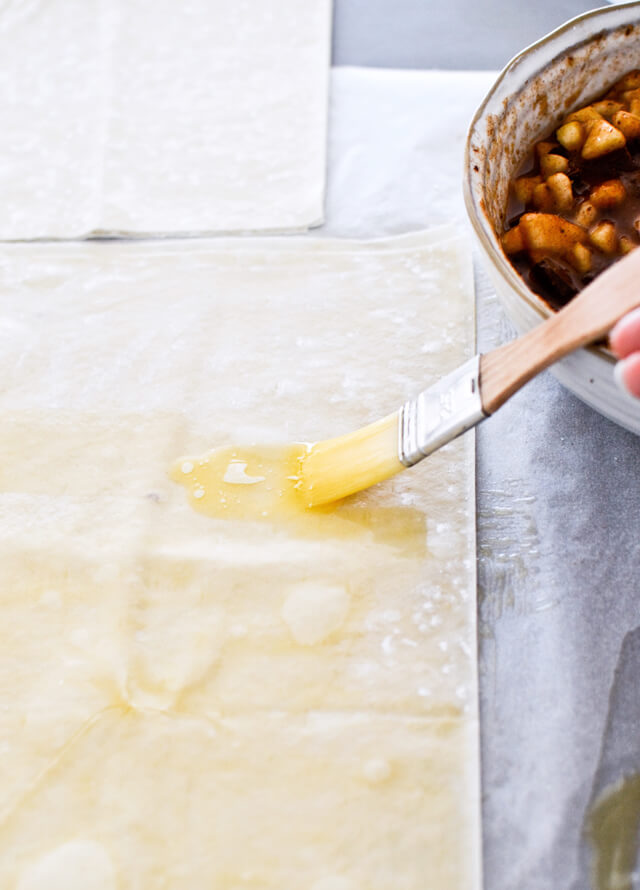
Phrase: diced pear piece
(627,123)
(626,245)
(560,187)
(543,148)
(584,115)
(607,107)
(608,194)
(552,163)
(523,188)
(580,258)
(549,232)
(571,135)
(543,199)
(630,81)
(602,139)
(604,237)
(629,95)
(512,241)
(586,214)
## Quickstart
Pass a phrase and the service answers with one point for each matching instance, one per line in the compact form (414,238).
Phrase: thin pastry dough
(196,702)
(139,117)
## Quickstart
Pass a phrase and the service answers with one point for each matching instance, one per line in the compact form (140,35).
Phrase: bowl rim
(498,260)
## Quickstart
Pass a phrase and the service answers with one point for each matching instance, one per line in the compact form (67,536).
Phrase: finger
(625,337)
(627,374)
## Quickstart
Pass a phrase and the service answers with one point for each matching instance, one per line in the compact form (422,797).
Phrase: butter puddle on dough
(243,483)
(237,474)
(259,483)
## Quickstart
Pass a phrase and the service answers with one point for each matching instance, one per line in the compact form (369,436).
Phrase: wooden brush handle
(588,317)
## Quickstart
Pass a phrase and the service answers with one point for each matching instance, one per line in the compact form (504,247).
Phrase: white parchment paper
(558,514)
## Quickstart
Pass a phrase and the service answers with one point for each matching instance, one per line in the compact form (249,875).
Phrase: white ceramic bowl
(535,91)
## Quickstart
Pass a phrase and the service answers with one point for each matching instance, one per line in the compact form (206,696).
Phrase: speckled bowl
(535,91)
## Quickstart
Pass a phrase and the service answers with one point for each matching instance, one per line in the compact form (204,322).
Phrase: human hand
(625,342)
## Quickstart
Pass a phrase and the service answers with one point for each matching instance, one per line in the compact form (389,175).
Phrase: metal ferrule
(440,413)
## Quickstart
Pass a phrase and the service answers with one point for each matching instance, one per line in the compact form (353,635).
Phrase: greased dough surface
(127,116)
(199,702)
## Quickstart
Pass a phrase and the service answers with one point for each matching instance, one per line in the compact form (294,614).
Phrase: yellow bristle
(335,468)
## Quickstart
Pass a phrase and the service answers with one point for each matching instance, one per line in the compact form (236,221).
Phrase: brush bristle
(335,468)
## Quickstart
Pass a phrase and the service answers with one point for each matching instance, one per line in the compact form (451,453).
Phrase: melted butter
(262,484)
(613,826)
(247,483)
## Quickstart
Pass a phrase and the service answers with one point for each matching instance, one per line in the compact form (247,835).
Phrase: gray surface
(451,34)
(558,491)
(558,494)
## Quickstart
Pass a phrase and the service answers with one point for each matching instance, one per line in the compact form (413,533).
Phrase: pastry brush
(332,469)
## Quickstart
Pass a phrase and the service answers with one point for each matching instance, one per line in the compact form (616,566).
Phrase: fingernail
(619,373)
(630,319)
(630,316)
(618,376)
